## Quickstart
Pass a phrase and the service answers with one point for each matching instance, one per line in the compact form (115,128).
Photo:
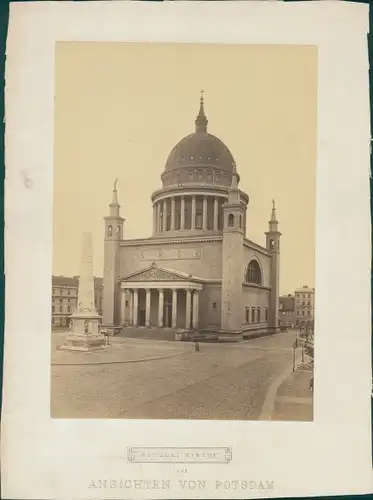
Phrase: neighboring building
(65,298)
(287,311)
(198,269)
(304,305)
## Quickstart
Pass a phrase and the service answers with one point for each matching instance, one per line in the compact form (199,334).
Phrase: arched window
(254,274)
(110,230)
(230,220)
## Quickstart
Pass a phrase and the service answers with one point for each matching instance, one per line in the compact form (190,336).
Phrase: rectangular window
(214,305)
(297,313)
(266,313)
(68,292)
(252,315)
(53,309)
(302,313)
(247,319)
(258,314)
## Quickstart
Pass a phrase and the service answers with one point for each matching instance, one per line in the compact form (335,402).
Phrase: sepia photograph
(183,279)
(188,260)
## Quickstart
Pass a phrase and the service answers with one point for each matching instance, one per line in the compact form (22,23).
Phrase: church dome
(199,151)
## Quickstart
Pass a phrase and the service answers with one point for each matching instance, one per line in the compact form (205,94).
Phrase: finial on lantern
(201,120)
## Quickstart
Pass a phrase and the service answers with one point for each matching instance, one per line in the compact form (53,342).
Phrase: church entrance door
(142,316)
(167,315)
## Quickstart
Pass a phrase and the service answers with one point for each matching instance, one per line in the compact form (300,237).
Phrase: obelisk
(85,321)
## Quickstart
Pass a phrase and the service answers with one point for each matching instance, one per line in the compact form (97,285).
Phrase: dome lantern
(201,120)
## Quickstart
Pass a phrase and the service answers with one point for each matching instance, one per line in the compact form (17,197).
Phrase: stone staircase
(147,333)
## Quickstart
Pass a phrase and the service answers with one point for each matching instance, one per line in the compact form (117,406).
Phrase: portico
(157,297)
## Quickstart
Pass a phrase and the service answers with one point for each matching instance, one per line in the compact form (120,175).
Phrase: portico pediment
(155,273)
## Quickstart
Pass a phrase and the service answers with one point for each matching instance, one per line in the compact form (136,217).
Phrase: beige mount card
(187,251)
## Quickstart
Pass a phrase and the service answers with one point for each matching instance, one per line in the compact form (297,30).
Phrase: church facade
(198,270)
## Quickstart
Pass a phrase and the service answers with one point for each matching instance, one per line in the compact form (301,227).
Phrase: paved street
(159,379)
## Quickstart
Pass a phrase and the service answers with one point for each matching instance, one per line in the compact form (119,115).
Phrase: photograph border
(356,107)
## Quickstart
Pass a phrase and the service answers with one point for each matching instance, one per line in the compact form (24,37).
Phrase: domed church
(198,270)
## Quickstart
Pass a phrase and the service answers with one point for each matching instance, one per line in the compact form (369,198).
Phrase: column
(160,307)
(130,307)
(193,224)
(188,308)
(123,311)
(195,309)
(204,215)
(156,226)
(164,215)
(147,307)
(159,216)
(174,308)
(154,218)
(216,213)
(182,213)
(159,207)
(135,306)
(172,213)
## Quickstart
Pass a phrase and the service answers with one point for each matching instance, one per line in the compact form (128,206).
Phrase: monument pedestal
(85,334)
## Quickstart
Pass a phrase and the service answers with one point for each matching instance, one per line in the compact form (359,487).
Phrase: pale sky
(120,108)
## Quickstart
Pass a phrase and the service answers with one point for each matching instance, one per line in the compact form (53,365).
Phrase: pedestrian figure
(196,346)
(311,384)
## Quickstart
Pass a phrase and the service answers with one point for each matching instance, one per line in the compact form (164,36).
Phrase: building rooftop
(305,289)
(73,281)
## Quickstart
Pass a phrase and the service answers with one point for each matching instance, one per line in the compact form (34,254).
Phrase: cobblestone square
(137,378)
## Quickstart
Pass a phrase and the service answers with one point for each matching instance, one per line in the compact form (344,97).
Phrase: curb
(270,399)
(91,363)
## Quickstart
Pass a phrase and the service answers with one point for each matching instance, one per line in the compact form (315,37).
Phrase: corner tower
(113,236)
(234,215)
(273,245)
